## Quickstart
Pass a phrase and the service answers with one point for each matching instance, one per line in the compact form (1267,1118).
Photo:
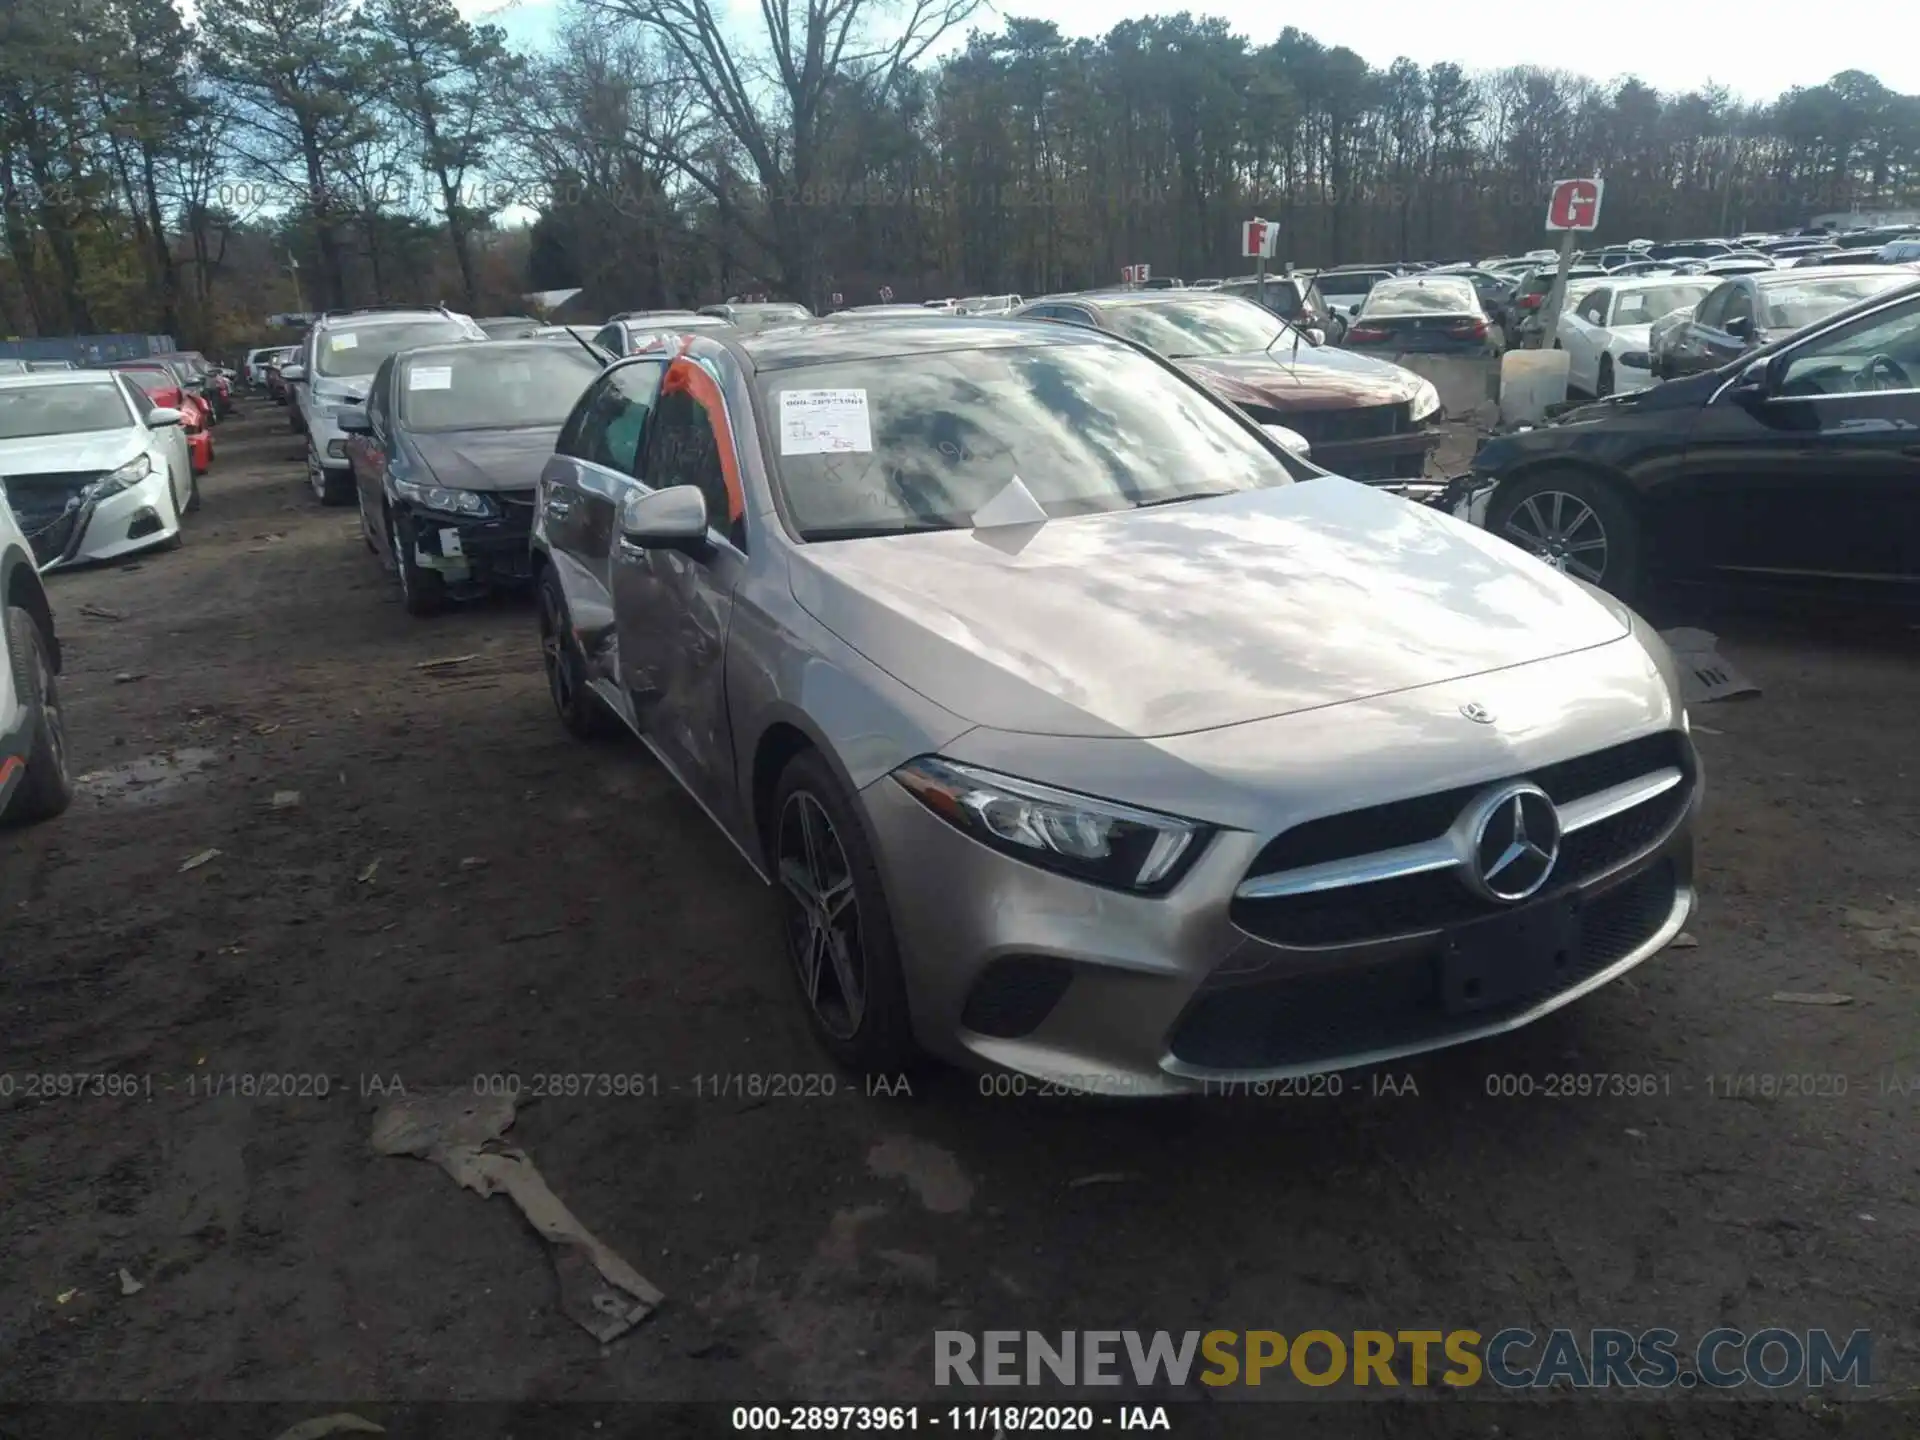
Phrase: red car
(164,389)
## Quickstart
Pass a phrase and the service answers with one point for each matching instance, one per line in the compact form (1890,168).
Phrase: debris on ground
(473,862)
(285,799)
(1103,1177)
(127,677)
(1706,675)
(194,862)
(1685,940)
(1805,997)
(100,612)
(461,1133)
(129,1285)
(446,662)
(367,874)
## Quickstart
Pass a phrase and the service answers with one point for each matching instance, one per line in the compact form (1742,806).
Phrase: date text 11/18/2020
(958,1419)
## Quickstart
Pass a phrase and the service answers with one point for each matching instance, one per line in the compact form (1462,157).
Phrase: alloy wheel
(553,655)
(50,714)
(822,915)
(1562,530)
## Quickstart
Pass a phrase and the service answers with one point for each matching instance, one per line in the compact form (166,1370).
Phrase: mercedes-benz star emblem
(1513,838)
(1477,713)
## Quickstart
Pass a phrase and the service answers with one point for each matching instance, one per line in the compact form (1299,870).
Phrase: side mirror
(1740,328)
(354,421)
(293,372)
(1292,441)
(670,519)
(1315,335)
(1752,386)
(1354,309)
(163,416)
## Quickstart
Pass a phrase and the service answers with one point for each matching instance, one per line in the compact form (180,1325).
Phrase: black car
(1746,312)
(1530,294)
(445,455)
(1795,465)
(1425,314)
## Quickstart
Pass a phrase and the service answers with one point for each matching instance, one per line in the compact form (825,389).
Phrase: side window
(1713,309)
(1739,306)
(1594,311)
(1074,315)
(142,402)
(1875,352)
(377,401)
(615,417)
(684,447)
(612,338)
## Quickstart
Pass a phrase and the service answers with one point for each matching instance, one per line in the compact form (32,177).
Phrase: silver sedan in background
(1085,732)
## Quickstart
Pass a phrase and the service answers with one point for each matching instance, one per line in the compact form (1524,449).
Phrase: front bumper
(1010,967)
(65,527)
(477,554)
(1383,458)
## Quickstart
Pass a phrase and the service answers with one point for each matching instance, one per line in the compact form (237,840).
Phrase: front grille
(516,506)
(1395,1004)
(48,508)
(1413,904)
(1368,422)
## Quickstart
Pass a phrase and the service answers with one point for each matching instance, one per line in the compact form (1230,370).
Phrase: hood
(487,459)
(55,454)
(1320,378)
(1189,617)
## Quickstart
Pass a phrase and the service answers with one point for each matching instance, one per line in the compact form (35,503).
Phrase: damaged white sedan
(91,467)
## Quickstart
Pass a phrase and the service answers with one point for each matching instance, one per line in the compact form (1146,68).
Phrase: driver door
(673,611)
(1818,481)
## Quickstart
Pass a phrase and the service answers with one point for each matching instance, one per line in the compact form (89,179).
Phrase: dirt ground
(461,891)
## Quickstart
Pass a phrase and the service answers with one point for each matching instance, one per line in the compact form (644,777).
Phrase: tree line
(158,175)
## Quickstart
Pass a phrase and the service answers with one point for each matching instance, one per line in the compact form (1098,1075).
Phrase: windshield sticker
(824,422)
(342,342)
(430,377)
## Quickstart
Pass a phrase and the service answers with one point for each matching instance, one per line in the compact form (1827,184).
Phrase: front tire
(574,702)
(330,487)
(47,788)
(838,929)
(1575,522)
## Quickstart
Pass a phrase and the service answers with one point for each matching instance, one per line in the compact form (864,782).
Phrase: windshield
(884,446)
(1352,282)
(359,350)
(153,381)
(1421,297)
(1643,307)
(28,411)
(493,387)
(1215,325)
(1805,302)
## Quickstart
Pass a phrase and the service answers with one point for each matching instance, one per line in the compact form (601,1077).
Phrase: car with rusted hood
(445,454)
(1366,418)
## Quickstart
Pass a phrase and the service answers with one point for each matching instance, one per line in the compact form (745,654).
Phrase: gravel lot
(461,890)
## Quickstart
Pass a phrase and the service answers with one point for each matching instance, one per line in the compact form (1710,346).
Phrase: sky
(1677,45)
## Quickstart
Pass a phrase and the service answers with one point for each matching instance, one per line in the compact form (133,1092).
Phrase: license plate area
(1489,963)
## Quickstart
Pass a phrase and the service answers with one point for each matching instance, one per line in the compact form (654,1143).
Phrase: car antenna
(599,356)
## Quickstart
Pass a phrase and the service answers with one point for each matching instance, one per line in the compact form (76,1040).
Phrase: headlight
(1426,401)
(1637,359)
(446,501)
(1093,840)
(131,473)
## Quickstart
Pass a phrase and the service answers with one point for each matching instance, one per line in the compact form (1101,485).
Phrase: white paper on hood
(343,342)
(1014,505)
(825,422)
(430,377)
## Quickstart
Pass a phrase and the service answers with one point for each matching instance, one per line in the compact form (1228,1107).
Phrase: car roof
(357,318)
(56,377)
(1798,277)
(492,347)
(793,346)
(1134,299)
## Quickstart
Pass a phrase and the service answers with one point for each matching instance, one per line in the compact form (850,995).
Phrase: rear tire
(1577,523)
(845,943)
(1603,382)
(329,486)
(47,788)
(579,709)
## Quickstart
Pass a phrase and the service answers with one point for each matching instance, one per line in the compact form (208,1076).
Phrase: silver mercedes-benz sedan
(1088,734)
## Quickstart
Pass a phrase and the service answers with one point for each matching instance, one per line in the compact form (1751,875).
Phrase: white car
(1606,333)
(92,468)
(335,366)
(36,782)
